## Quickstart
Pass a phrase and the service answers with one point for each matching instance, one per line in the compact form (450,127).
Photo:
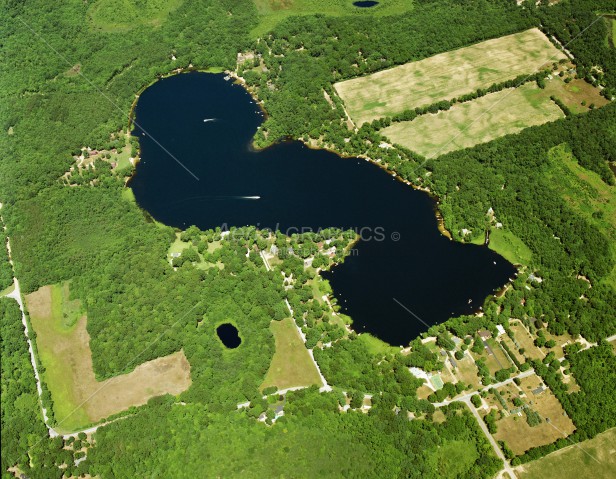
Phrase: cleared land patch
(577,461)
(508,245)
(64,349)
(447,75)
(479,121)
(123,15)
(291,365)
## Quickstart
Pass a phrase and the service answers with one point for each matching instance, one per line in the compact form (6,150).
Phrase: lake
(393,287)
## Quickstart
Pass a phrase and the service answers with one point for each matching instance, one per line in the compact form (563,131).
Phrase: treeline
(444,105)
(6,270)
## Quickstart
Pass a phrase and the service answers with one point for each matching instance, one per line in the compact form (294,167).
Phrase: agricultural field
(64,350)
(479,121)
(272,12)
(447,75)
(515,431)
(291,365)
(594,458)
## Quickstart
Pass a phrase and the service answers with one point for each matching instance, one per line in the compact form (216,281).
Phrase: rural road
(466,399)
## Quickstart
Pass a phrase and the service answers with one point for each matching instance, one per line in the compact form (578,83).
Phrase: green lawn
(595,458)
(291,365)
(509,246)
(454,458)
(376,346)
(272,12)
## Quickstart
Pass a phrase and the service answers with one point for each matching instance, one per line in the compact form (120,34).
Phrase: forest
(70,83)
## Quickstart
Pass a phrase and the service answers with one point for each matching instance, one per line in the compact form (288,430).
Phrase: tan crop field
(64,349)
(594,458)
(447,75)
(479,121)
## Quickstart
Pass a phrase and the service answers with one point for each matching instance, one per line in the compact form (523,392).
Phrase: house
(538,391)
(484,334)
(500,329)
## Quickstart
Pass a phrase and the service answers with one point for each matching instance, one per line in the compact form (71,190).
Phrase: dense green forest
(71,73)
(25,440)
(311,439)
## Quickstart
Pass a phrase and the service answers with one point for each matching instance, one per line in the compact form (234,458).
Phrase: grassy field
(526,341)
(512,347)
(574,93)
(123,15)
(509,246)
(376,346)
(64,349)
(595,458)
(467,371)
(453,459)
(478,121)
(516,432)
(446,76)
(272,12)
(291,365)
(586,193)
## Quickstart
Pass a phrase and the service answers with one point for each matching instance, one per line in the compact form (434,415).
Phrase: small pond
(229,335)
(365,4)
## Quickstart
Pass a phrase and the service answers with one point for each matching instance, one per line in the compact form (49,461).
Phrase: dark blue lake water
(229,335)
(414,265)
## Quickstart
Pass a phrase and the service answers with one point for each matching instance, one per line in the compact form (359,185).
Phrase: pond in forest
(402,276)
(365,4)
(229,335)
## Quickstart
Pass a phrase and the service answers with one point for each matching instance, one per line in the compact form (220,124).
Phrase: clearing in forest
(594,458)
(271,12)
(64,350)
(123,15)
(478,121)
(447,75)
(291,365)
